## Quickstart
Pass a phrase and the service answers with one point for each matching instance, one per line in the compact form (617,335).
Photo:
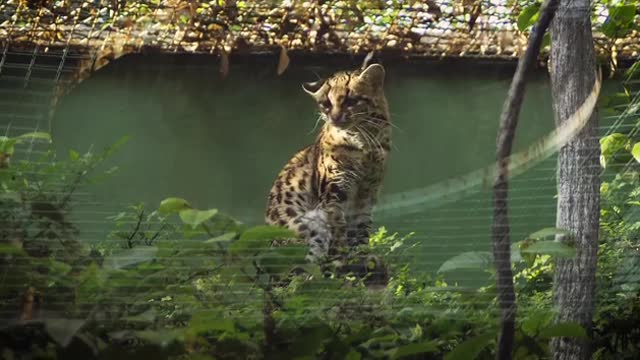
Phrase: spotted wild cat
(327,190)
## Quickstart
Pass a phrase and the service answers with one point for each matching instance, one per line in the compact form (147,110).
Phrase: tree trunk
(573,69)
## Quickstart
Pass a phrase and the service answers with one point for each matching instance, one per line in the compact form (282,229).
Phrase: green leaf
(59,268)
(259,238)
(90,284)
(620,20)
(222,238)
(535,320)
(635,151)
(550,247)
(546,40)
(267,232)
(471,348)
(616,100)
(147,317)
(74,155)
(10,195)
(612,142)
(415,349)
(63,330)
(7,145)
(116,146)
(173,204)
(34,135)
(162,337)
(279,260)
(473,260)
(528,16)
(195,217)
(189,232)
(633,72)
(547,232)
(9,249)
(210,320)
(308,342)
(312,269)
(130,257)
(353,355)
(195,356)
(626,13)
(515,253)
(628,271)
(609,28)
(610,145)
(565,329)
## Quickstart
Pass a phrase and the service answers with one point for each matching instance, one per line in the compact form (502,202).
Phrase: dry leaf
(283,63)
(613,60)
(434,9)
(476,11)
(30,304)
(190,46)
(224,63)
(367,59)
(193,10)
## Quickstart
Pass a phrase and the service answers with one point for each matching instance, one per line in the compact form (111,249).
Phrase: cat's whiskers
(366,138)
(371,116)
(315,126)
(377,124)
(386,122)
(380,127)
(374,124)
(374,141)
(379,144)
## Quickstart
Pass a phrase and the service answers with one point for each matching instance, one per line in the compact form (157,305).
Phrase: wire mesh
(30,80)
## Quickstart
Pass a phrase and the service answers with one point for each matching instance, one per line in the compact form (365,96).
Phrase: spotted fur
(327,190)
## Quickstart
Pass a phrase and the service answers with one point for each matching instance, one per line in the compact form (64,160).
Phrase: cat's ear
(373,74)
(312,88)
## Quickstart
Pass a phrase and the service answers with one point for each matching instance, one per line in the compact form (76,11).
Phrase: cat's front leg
(333,202)
(359,223)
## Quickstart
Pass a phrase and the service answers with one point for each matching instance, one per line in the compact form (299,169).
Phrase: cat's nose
(338,118)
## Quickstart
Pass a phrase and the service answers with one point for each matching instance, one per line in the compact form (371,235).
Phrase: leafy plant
(178,281)
(620,19)
(39,252)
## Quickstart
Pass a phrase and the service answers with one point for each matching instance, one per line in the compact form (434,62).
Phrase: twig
(72,188)
(155,236)
(135,230)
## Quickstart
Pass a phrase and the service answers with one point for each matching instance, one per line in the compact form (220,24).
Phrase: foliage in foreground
(179,282)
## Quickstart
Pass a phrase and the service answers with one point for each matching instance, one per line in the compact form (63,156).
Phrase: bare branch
(500,229)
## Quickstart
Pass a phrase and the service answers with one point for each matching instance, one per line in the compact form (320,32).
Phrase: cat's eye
(350,101)
(325,104)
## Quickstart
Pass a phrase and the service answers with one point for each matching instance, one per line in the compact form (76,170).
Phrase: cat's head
(350,98)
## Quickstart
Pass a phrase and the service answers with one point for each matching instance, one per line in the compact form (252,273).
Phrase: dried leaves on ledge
(457,28)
